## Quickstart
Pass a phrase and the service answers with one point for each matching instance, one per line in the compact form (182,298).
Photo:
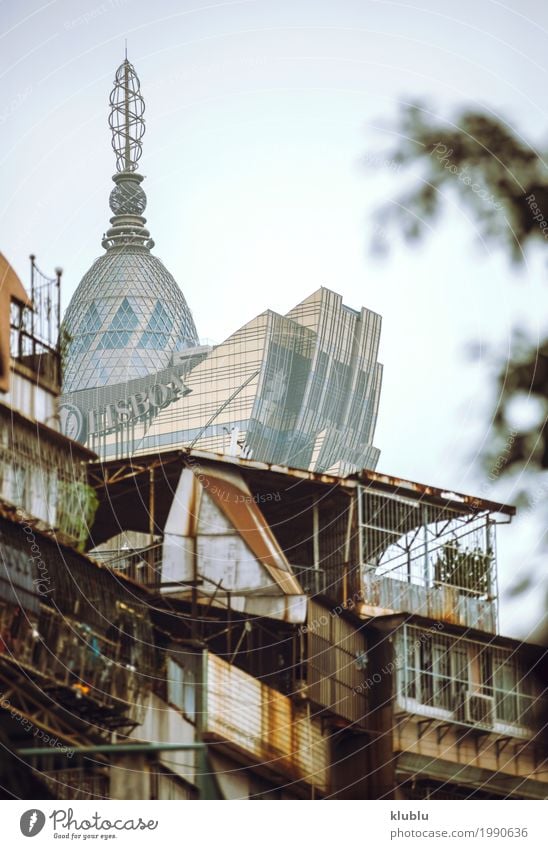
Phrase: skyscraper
(300,389)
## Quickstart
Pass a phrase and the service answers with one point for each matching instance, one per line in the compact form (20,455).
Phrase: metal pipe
(203,775)
(112,748)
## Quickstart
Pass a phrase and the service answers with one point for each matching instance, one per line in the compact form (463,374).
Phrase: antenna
(126,120)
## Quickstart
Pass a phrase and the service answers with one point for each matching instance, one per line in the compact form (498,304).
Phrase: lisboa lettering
(80,425)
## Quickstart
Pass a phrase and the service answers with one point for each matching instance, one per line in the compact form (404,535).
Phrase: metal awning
(410,765)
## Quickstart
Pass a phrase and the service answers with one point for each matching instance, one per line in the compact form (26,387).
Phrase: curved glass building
(300,389)
(128,315)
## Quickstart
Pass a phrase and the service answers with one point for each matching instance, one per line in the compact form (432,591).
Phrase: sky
(270,125)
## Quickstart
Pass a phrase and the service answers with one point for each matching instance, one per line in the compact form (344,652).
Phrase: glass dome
(128,315)
(125,319)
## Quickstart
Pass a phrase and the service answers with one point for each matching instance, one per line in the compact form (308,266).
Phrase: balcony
(441,601)
(430,559)
(34,331)
(94,677)
(264,726)
(42,477)
(464,681)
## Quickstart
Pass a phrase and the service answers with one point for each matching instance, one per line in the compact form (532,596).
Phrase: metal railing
(143,565)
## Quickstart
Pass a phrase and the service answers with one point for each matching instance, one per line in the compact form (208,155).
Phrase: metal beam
(112,748)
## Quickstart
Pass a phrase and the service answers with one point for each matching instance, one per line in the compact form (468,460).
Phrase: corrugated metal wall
(441,602)
(334,674)
(265,724)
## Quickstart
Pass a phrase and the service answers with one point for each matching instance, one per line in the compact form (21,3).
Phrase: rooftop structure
(128,314)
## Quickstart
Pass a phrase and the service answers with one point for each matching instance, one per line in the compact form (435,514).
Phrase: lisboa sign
(79,424)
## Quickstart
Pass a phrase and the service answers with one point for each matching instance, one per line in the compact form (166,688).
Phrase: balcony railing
(34,331)
(441,601)
(92,676)
(431,559)
(140,564)
(264,725)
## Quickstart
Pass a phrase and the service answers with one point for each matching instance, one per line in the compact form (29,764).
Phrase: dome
(125,319)
(128,315)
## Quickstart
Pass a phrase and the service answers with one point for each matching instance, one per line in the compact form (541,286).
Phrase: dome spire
(127,199)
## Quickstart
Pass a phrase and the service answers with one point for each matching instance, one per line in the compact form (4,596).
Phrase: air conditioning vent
(479,710)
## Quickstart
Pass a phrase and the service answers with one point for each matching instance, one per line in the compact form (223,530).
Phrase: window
(442,674)
(158,329)
(121,327)
(20,330)
(181,688)
(15,485)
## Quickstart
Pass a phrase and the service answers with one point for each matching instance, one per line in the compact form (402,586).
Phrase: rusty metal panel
(334,677)
(444,602)
(431,494)
(229,491)
(265,725)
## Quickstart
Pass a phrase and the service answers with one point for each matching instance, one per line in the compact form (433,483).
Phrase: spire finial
(126,120)
(127,199)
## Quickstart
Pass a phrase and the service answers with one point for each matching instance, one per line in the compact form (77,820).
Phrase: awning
(410,765)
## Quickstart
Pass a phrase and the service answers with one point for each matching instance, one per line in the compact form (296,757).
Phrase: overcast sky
(259,116)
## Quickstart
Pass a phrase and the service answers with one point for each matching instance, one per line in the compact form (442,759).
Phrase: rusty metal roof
(375,480)
(430,494)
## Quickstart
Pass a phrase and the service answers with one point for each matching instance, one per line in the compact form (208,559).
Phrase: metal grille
(34,331)
(427,545)
(40,476)
(103,678)
(464,680)
(335,674)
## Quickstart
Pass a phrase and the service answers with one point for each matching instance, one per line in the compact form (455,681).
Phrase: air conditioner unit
(479,710)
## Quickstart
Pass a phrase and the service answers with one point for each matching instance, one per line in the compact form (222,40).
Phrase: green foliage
(77,505)
(476,151)
(467,569)
(495,172)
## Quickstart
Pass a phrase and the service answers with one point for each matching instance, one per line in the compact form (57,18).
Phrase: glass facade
(124,321)
(300,390)
(128,315)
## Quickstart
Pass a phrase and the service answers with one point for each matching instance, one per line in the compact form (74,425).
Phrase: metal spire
(127,199)
(126,120)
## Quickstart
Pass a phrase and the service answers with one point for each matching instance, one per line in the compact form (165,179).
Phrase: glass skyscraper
(300,390)
(128,314)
